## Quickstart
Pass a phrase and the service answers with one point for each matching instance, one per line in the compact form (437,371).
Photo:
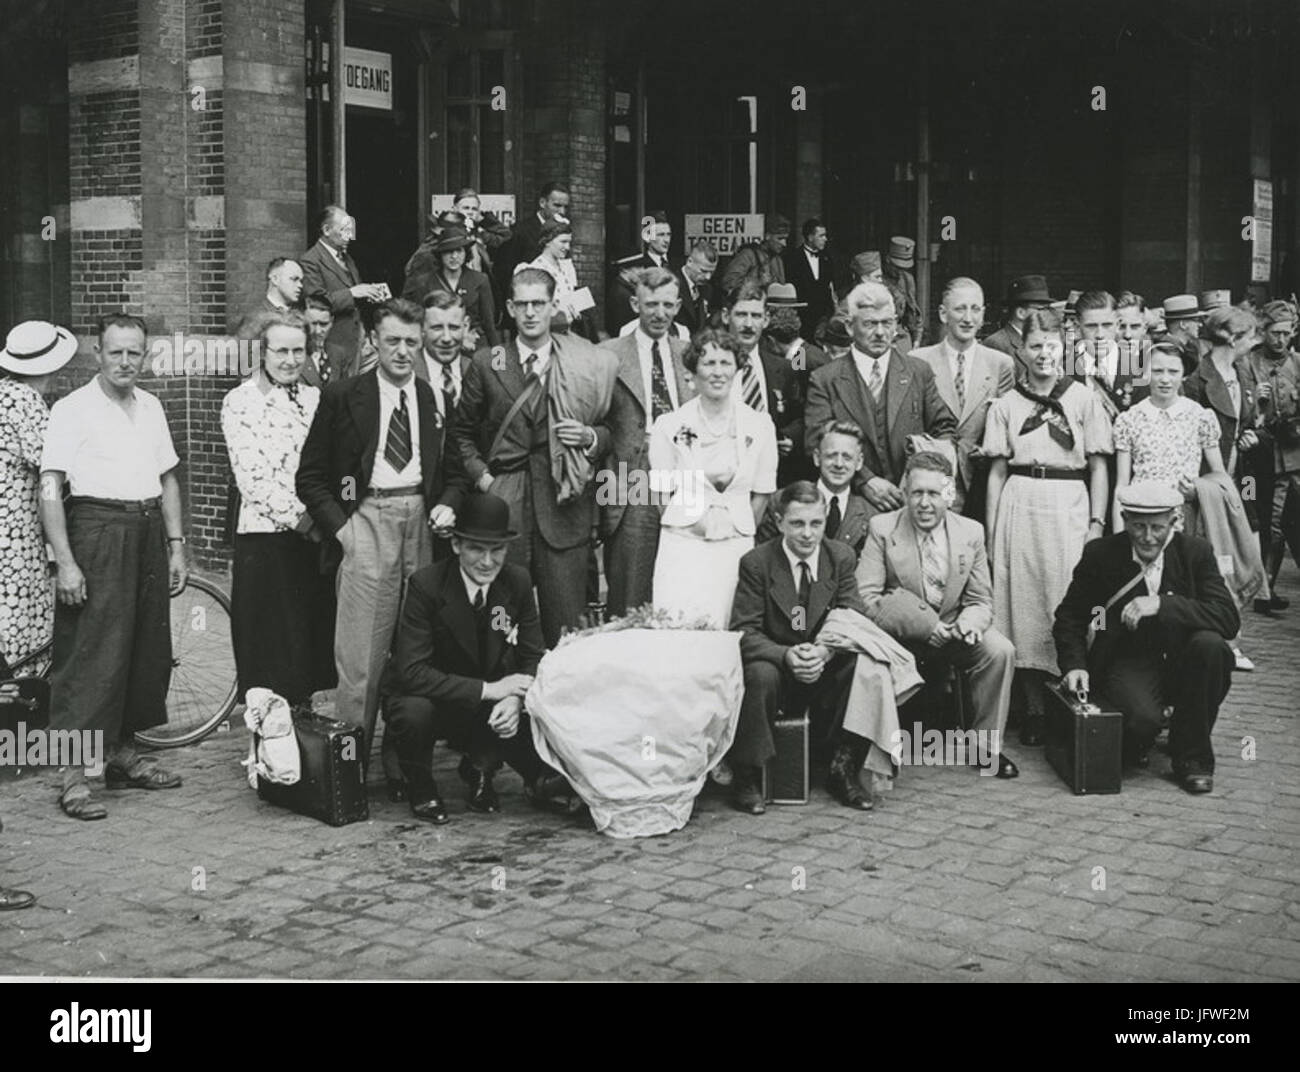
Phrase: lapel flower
(686,436)
(779,398)
(749,441)
(511,630)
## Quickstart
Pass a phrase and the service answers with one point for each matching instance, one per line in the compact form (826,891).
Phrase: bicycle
(203,667)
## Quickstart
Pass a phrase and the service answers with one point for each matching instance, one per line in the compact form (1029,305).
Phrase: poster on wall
(502,206)
(1261,246)
(728,231)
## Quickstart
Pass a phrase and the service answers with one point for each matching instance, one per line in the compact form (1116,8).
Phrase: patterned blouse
(1167,444)
(265,430)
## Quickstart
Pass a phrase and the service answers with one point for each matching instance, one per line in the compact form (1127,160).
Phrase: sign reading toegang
(368,78)
(728,231)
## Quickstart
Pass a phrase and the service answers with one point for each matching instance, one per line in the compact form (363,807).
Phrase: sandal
(145,776)
(82,806)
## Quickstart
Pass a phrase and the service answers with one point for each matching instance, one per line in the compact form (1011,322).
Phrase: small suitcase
(785,775)
(331,788)
(1083,742)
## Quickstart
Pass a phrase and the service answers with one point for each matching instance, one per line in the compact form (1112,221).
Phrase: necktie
(959,381)
(481,627)
(323,367)
(874,380)
(661,402)
(530,363)
(397,447)
(478,600)
(805,590)
(932,571)
(448,391)
(752,390)
(833,518)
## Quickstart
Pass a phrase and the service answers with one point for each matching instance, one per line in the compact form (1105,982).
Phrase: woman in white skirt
(1047,496)
(714,459)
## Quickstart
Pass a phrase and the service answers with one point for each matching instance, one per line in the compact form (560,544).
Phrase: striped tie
(959,381)
(933,575)
(752,390)
(448,391)
(397,447)
(874,379)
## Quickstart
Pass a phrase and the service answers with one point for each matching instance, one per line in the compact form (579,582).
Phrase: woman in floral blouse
(282,619)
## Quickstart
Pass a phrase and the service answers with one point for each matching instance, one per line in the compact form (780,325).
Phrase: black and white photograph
(651,491)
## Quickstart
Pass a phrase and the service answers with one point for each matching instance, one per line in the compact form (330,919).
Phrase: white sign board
(728,231)
(368,78)
(502,206)
(1261,246)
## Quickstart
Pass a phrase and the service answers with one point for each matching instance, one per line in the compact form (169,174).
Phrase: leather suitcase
(331,788)
(785,775)
(1083,742)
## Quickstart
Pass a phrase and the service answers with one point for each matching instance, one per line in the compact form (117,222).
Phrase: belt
(390,493)
(496,468)
(134,506)
(1042,472)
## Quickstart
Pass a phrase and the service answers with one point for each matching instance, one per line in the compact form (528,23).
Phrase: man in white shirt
(812,272)
(114,543)
(654,380)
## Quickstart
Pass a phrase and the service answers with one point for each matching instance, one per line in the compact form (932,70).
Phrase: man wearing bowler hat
(1162,636)
(1025,294)
(899,261)
(467,646)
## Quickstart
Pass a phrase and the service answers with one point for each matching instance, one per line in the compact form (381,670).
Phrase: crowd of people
(426,483)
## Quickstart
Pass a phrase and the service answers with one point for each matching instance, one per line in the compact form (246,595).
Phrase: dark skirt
(282,616)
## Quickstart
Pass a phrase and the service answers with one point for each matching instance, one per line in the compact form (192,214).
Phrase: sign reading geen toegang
(368,78)
(502,206)
(728,231)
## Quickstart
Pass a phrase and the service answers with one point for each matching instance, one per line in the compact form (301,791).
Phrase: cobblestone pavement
(952,877)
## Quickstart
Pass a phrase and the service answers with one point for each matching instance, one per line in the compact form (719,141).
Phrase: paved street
(952,877)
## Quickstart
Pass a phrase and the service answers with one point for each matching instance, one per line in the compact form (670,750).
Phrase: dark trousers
(1195,680)
(630,560)
(417,724)
(771,690)
(113,654)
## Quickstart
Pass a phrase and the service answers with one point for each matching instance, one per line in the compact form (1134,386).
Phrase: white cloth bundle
(273,748)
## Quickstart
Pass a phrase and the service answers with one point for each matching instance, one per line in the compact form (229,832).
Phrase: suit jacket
(489,390)
(323,277)
(852,530)
(818,293)
(1007,339)
(247,326)
(631,446)
(422,373)
(767,593)
(1192,597)
(1207,387)
(436,652)
(912,406)
(310,374)
(787,391)
(337,459)
(989,375)
(891,560)
(694,313)
(423,275)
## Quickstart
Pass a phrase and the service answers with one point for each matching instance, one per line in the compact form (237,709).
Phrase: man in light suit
(543,468)
(938,558)
(812,272)
(328,272)
(969,377)
(887,394)
(374,475)
(652,376)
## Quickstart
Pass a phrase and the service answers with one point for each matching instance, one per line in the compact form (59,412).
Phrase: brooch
(685,436)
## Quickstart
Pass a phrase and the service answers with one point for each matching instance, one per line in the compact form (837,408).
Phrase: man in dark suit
(695,287)
(525,242)
(838,458)
(1164,635)
(543,468)
(319,317)
(329,273)
(656,238)
(1025,294)
(654,381)
(283,289)
(812,272)
(937,556)
(785,590)
(467,647)
(374,474)
(887,394)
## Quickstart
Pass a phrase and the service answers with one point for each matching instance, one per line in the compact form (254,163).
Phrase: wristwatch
(177,539)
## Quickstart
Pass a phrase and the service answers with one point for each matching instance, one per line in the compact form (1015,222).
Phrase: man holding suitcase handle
(1151,637)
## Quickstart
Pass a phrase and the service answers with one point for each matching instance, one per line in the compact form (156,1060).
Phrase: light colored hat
(1148,497)
(1215,299)
(866,263)
(1181,307)
(902,251)
(784,295)
(35,348)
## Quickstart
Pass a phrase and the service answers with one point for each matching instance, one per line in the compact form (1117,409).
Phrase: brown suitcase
(1083,742)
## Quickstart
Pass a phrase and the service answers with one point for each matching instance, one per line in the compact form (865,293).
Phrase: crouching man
(924,578)
(1145,623)
(468,643)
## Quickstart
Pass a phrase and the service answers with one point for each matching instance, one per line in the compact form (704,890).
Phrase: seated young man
(838,458)
(924,578)
(467,646)
(785,590)
(1164,638)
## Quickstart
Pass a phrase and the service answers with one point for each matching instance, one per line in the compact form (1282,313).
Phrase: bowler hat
(1148,497)
(1028,289)
(865,263)
(450,238)
(1181,307)
(902,251)
(35,348)
(485,518)
(783,295)
(833,332)
(1215,299)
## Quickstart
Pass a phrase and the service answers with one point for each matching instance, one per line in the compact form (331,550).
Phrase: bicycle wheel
(204,685)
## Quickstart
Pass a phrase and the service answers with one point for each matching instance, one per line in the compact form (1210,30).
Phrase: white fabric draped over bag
(273,748)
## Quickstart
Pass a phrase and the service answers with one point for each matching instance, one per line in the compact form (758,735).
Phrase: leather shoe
(1197,782)
(396,791)
(142,775)
(1006,768)
(746,794)
(1031,731)
(430,811)
(482,796)
(842,781)
(11,900)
